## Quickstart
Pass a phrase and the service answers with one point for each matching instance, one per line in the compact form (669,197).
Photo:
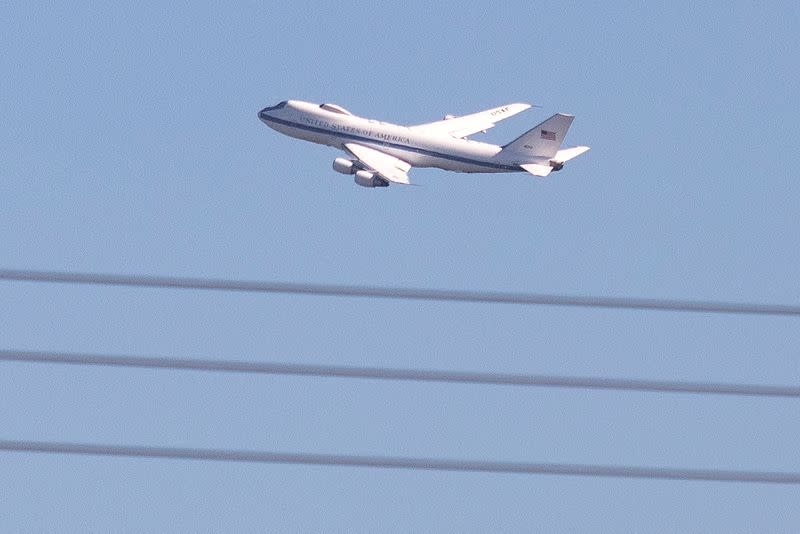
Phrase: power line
(393,462)
(447,295)
(416,375)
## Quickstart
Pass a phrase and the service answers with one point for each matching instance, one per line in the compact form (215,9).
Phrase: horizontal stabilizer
(566,154)
(537,169)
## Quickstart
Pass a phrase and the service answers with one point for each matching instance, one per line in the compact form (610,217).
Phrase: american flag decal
(550,136)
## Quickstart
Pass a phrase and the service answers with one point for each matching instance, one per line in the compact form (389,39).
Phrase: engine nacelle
(557,165)
(365,179)
(448,117)
(344,166)
(368,179)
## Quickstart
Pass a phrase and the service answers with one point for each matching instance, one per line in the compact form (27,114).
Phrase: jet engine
(368,179)
(344,166)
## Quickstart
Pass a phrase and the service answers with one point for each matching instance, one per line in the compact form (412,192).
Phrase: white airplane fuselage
(311,122)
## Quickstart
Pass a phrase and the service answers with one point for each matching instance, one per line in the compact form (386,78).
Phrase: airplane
(381,153)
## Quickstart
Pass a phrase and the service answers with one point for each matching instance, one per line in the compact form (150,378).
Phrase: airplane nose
(264,113)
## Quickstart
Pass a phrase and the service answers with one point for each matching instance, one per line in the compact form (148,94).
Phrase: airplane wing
(474,123)
(388,167)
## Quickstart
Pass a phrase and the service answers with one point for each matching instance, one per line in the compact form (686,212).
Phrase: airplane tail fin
(538,151)
(543,141)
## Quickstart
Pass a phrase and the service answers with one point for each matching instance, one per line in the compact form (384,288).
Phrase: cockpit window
(334,108)
(276,106)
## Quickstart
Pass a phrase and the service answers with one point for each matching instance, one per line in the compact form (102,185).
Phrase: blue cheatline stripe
(511,168)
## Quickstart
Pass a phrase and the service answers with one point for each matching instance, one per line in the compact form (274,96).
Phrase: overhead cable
(447,295)
(394,462)
(417,375)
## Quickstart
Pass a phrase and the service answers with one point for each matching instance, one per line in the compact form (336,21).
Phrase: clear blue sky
(130,143)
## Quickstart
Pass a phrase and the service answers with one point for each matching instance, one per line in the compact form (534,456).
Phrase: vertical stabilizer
(544,140)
